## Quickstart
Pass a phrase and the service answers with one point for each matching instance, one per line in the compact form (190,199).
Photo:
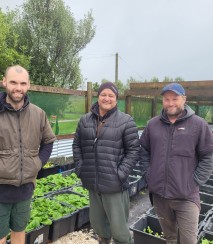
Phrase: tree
(131,80)
(95,86)
(53,39)
(167,79)
(10,52)
(179,79)
(154,79)
(121,87)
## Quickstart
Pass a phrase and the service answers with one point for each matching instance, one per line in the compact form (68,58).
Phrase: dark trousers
(109,216)
(177,217)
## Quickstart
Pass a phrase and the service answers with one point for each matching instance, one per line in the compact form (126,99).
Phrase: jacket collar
(187,112)
(6,106)
(95,111)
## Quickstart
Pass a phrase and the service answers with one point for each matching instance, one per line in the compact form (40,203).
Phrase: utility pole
(116,67)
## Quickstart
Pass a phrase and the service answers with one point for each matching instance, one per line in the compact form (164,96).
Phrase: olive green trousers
(109,215)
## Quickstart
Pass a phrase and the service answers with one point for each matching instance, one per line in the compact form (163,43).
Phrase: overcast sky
(152,38)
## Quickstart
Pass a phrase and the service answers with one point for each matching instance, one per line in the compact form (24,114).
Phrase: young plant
(151,232)
(206,241)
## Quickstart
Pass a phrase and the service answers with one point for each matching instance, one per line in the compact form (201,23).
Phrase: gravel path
(77,237)
(139,205)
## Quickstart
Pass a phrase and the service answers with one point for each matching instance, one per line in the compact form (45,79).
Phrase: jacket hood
(6,106)
(188,112)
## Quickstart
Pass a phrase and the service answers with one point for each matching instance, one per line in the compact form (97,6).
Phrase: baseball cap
(175,87)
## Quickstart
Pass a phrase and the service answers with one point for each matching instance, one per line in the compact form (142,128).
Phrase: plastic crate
(142,237)
(44,172)
(65,191)
(62,226)
(136,172)
(133,185)
(209,182)
(209,225)
(206,198)
(204,235)
(68,172)
(73,189)
(141,179)
(151,212)
(207,188)
(39,235)
(66,167)
(205,208)
(82,217)
(142,184)
(137,167)
(83,213)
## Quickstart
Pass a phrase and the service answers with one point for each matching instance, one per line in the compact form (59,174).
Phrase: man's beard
(174,114)
(15,99)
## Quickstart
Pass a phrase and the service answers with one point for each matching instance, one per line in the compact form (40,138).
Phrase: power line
(130,67)
(92,56)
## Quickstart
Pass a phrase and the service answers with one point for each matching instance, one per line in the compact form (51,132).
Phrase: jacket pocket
(183,145)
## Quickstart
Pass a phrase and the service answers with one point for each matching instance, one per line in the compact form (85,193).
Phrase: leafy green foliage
(81,190)
(45,210)
(10,51)
(53,183)
(54,40)
(151,232)
(73,199)
(205,241)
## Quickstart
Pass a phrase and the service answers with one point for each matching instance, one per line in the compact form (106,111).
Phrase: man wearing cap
(105,149)
(177,155)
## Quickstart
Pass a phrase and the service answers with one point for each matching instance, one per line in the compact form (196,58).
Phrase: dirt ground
(139,205)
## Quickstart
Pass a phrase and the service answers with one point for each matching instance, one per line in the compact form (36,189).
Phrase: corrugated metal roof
(63,148)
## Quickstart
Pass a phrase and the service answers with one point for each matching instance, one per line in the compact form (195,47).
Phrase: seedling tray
(82,217)
(133,185)
(206,198)
(205,208)
(205,235)
(209,182)
(44,172)
(209,225)
(207,188)
(83,212)
(62,226)
(143,237)
(151,212)
(39,235)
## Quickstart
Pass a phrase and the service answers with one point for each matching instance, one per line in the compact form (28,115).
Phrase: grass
(67,127)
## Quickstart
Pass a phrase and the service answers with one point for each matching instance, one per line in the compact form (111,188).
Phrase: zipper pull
(95,140)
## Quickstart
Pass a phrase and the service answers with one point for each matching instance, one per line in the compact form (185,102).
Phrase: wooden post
(116,67)
(88,97)
(128,105)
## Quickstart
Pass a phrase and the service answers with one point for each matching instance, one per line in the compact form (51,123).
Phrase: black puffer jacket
(104,158)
